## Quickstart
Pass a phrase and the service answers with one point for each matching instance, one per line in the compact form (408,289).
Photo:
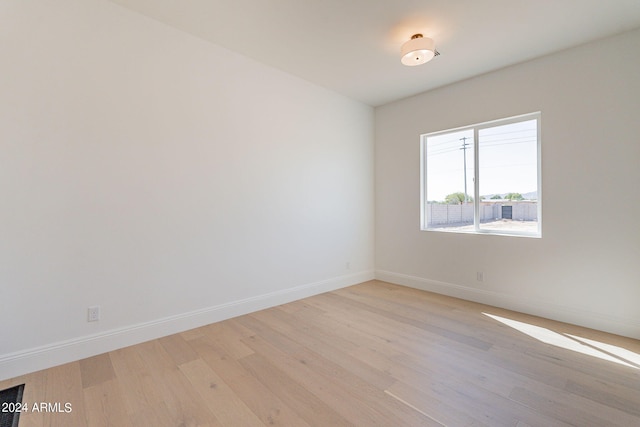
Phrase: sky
(507,160)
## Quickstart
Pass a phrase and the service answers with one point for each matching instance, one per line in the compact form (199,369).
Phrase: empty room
(319,213)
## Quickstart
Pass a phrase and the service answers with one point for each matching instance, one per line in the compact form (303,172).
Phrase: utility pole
(464,152)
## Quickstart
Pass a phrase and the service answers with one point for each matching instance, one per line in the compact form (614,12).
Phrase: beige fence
(442,214)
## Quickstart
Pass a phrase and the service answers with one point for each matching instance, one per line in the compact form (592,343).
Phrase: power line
(482,145)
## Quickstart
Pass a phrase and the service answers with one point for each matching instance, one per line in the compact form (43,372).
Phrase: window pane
(449,181)
(508,177)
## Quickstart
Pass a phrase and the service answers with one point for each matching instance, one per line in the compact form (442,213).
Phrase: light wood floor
(371,354)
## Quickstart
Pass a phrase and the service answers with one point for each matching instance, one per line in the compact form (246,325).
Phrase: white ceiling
(353,46)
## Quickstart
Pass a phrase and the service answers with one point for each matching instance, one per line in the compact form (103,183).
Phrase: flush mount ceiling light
(418,50)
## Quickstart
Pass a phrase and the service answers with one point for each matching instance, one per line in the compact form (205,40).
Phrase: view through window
(483,178)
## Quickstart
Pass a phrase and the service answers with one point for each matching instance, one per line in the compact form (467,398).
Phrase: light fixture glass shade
(418,50)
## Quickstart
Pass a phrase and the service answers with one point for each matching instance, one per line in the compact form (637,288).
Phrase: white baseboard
(607,323)
(35,359)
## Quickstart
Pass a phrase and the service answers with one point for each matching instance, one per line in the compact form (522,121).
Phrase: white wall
(586,267)
(170,181)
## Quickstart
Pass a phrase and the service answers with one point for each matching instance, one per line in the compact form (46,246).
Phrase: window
(483,178)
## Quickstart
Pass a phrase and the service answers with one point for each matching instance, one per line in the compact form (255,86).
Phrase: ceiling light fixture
(418,50)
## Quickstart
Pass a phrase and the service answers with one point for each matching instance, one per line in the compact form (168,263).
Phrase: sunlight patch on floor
(586,346)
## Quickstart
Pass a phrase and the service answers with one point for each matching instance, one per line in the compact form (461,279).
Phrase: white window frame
(476,170)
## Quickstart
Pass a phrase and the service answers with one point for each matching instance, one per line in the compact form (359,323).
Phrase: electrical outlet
(480,276)
(93,313)
(347,265)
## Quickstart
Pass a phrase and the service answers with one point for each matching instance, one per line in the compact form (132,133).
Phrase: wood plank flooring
(373,354)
